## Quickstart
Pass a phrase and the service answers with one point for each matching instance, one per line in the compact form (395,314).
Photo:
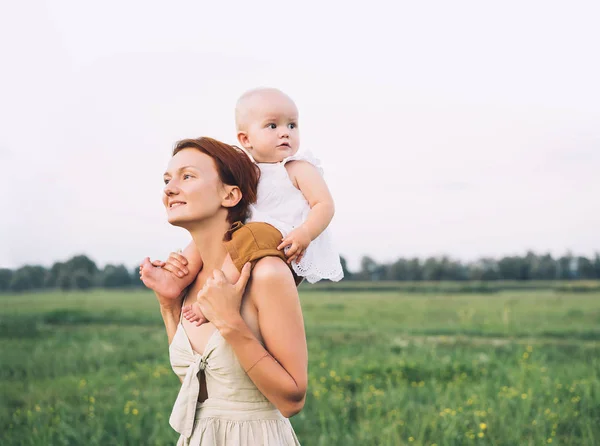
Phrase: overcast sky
(461,128)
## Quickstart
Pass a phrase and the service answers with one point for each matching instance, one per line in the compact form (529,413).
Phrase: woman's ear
(233,195)
(244,141)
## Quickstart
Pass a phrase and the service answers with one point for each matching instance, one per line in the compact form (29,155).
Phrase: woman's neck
(208,239)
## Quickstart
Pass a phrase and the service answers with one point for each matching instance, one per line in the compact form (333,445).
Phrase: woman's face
(193,191)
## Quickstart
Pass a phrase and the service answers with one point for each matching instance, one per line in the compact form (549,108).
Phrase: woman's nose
(171,189)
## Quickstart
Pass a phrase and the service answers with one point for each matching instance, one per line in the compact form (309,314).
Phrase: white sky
(465,128)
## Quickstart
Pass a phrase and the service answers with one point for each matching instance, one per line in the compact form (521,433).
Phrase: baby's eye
(272,126)
(292,125)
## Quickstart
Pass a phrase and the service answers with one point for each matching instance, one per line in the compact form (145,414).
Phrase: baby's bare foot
(160,280)
(194,314)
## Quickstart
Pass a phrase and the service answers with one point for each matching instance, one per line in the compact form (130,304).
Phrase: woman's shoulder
(272,279)
(271,268)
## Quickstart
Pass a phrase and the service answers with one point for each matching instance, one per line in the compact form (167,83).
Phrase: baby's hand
(298,240)
(193,313)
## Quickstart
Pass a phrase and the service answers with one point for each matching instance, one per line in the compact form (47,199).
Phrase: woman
(251,374)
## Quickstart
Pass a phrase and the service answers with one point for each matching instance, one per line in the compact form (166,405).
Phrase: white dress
(282,205)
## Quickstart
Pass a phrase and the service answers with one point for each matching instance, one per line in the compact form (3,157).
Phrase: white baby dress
(283,206)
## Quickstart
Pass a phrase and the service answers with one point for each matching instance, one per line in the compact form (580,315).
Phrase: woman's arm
(170,307)
(170,315)
(170,310)
(279,370)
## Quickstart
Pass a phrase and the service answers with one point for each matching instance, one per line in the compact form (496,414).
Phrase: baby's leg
(176,275)
(193,313)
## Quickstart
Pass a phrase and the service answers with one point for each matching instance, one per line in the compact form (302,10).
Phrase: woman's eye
(186,176)
(166,181)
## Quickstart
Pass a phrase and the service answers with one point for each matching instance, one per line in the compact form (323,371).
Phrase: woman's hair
(234,168)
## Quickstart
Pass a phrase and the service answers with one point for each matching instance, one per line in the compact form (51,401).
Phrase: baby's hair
(243,104)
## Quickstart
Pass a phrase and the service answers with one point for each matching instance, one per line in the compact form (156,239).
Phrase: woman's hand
(176,264)
(220,301)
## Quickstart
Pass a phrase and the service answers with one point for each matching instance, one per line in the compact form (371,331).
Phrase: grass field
(387,367)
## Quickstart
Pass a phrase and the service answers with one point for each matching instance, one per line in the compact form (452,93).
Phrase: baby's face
(272,127)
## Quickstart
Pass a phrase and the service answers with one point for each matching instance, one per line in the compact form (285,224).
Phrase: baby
(292,196)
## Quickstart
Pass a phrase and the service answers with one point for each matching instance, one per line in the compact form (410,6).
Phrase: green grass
(393,367)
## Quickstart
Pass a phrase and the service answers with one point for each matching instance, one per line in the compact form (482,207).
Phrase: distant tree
(531,266)
(62,274)
(476,271)
(135,277)
(585,268)
(82,280)
(82,263)
(415,270)
(565,267)
(347,273)
(398,270)
(490,269)
(5,278)
(547,268)
(21,280)
(369,269)
(28,277)
(64,281)
(484,269)
(37,275)
(115,277)
(597,265)
(432,269)
(51,280)
(446,269)
(452,269)
(514,268)
(526,266)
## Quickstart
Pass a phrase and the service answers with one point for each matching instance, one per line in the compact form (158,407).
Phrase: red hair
(234,168)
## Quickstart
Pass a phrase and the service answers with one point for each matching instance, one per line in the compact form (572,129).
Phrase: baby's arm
(310,182)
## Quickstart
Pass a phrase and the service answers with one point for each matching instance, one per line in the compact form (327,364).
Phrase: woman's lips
(175,204)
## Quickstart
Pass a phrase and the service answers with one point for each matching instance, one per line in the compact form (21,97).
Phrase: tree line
(527,267)
(77,273)
(81,273)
